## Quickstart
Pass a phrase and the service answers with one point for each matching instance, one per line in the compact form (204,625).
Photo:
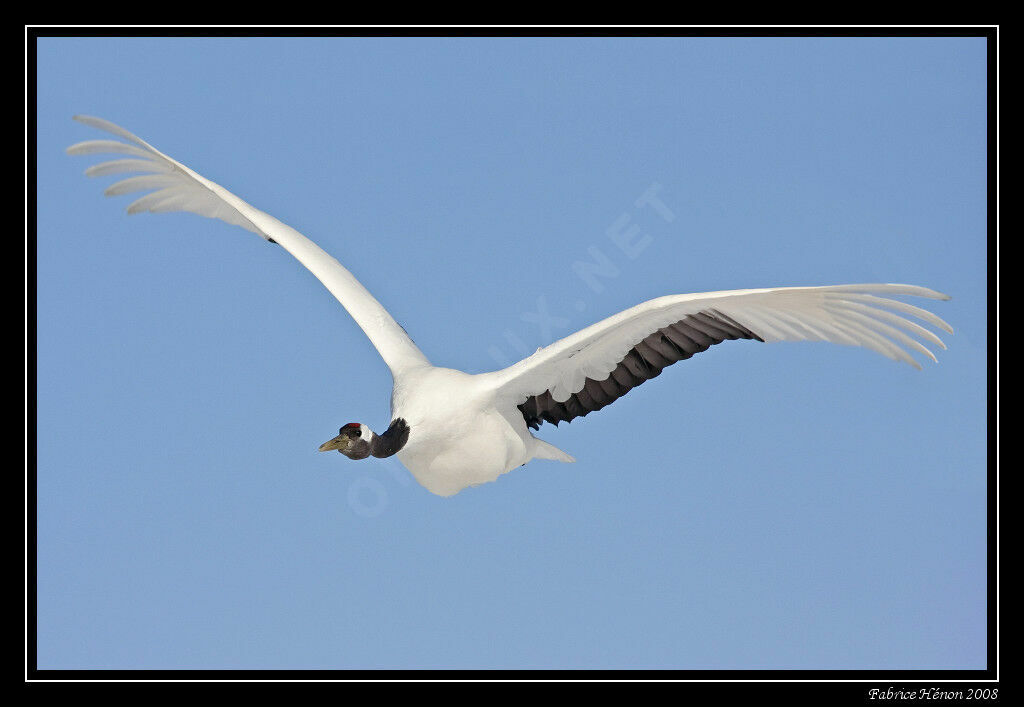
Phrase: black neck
(391,441)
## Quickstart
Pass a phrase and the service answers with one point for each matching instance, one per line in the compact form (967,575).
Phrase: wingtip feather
(107,126)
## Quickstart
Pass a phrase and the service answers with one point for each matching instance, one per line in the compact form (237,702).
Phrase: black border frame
(833,685)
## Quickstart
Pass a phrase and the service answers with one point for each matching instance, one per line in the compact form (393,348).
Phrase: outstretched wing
(597,365)
(175,187)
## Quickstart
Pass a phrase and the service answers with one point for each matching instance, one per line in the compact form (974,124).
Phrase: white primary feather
(178,188)
(843,314)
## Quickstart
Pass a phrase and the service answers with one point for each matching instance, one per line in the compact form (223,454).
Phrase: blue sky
(782,506)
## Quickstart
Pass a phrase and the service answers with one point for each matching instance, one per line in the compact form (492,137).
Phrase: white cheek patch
(365,433)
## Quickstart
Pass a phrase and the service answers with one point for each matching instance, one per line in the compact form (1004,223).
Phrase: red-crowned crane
(453,429)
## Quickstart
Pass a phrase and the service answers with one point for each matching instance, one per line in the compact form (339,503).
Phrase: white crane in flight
(453,429)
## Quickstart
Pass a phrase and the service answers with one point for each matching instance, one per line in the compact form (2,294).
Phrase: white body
(459,436)
(467,429)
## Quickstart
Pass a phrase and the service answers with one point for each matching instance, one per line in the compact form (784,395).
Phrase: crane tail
(543,450)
